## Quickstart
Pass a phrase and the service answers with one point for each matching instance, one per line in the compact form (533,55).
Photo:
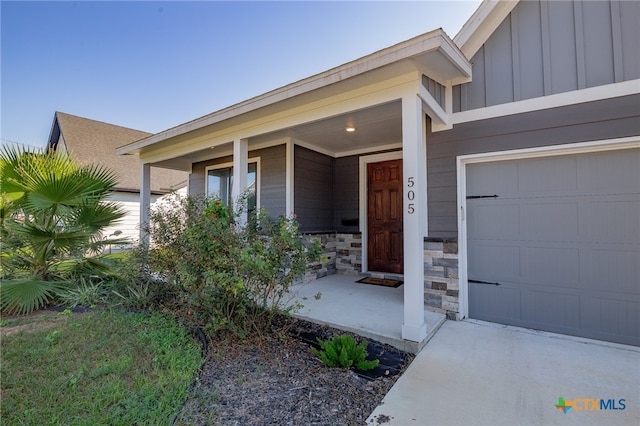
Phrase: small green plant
(344,352)
(87,293)
(53,336)
(136,295)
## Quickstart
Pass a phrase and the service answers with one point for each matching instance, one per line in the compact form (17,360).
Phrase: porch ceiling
(377,128)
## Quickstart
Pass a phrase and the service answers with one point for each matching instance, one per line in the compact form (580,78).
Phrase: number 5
(410,182)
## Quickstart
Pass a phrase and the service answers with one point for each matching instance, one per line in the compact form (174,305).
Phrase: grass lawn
(102,367)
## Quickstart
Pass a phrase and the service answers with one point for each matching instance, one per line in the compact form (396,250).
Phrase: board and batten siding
(544,48)
(599,120)
(272,177)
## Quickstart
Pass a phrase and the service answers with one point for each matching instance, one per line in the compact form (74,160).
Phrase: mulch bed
(279,381)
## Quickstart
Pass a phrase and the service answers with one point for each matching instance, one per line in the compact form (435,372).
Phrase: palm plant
(52,213)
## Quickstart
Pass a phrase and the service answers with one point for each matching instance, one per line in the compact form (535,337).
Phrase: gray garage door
(554,244)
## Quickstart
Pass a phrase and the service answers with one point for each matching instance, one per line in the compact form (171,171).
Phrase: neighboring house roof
(95,142)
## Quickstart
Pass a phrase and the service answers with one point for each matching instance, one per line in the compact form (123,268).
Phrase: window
(220,182)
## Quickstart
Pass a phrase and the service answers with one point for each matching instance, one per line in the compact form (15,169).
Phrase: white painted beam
(440,120)
(240,171)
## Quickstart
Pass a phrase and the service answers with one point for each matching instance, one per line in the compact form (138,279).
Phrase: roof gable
(543,49)
(94,142)
(484,21)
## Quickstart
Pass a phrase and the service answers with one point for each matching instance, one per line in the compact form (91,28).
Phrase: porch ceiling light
(350,129)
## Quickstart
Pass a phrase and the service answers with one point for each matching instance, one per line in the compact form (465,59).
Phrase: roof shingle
(95,142)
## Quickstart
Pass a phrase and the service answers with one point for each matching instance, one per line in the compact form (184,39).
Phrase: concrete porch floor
(374,312)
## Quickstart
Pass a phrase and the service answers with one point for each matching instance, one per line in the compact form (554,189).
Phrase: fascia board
(482,24)
(55,130)
(457,57)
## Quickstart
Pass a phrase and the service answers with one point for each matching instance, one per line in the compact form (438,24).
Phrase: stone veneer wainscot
(441,284)
(342,254)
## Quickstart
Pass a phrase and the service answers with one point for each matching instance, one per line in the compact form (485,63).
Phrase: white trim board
(607,91)
(547,151)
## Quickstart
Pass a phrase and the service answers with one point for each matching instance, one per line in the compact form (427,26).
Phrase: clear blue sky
(152,65)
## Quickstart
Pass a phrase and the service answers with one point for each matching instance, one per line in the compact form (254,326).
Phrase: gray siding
(273,191)
(346,194)
(313,195)
(272,177)
(612,118)
(544,48)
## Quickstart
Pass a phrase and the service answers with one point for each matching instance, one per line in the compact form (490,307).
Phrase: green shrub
(224,276)
(344,352)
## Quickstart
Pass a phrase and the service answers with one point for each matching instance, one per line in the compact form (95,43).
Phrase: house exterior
(497,172)
(94,142)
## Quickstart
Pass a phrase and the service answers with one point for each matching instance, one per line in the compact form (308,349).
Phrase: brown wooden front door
(384,217)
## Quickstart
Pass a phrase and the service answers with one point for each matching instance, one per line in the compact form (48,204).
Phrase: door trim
(362,202)
(547,151)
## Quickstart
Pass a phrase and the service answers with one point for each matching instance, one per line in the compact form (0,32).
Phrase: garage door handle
(482,282)
(473,197)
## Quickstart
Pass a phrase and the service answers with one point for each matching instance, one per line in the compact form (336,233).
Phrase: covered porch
(372,311)
(314,146)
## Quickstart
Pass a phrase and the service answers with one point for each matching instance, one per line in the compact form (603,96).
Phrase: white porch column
(289,179)
(240,170)
(145,201)
(415,195)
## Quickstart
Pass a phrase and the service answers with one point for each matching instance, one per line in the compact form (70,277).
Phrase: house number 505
(411,195)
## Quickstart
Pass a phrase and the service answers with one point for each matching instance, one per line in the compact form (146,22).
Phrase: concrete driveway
(479,373)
